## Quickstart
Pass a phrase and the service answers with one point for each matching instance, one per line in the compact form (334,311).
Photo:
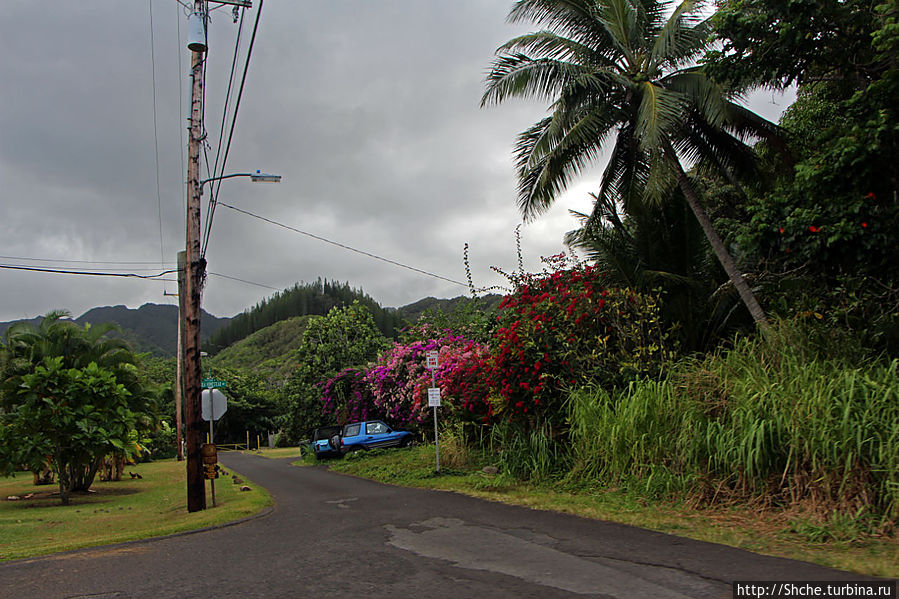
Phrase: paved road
(331,535)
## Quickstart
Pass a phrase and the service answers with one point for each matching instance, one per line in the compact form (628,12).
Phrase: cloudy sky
(368,109)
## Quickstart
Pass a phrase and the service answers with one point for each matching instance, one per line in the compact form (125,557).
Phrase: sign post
(434,397)
(214,404)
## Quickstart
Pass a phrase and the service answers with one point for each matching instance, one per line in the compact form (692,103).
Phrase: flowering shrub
(395,387)
(561,328)
(348,397)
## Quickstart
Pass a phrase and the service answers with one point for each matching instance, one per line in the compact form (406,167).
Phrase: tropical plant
(660,249)
(564,328)
(623,70)
(343,338)
(28,347)
(71,417)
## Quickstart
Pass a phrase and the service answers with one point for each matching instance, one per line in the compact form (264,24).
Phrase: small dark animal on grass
(135,474)
(236,480)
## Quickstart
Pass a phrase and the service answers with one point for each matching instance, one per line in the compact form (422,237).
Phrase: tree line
(302,299)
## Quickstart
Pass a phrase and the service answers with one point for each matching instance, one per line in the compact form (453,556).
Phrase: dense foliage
(70,395)
(563,328)
(317,298)
(803,422)
(69,416)
(343,338)
(395,387)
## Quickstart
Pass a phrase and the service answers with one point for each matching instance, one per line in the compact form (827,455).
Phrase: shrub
(564,328)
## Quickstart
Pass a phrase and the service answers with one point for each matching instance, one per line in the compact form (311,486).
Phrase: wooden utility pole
(179,380)
(192,373)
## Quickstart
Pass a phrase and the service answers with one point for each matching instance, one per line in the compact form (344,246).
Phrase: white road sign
(431,359)
(434,397)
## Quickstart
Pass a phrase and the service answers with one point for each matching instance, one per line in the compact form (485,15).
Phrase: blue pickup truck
(371,434)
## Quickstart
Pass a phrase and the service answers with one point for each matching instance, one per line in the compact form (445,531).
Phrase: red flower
(781,230)
(864,225)
(871,196)
(814,229)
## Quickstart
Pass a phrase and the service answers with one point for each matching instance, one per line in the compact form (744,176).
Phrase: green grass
(766,532)
(277,452)
(152,506)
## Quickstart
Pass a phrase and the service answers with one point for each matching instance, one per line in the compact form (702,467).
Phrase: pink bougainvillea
(395,387)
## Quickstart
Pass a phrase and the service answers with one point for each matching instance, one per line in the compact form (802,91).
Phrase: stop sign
(214,404)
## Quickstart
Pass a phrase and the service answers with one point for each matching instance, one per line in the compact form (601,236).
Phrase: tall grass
(777,420)
(527,453)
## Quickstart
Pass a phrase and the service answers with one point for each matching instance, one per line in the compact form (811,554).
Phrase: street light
(189,295)
(257,177)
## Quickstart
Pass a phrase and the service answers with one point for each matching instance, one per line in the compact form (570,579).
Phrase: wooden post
(179,381)
(193,280)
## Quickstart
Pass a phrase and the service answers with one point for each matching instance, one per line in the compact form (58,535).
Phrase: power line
(243,80)
(82,261)
(215,169)
(91,268)
(244,281)
(156,137)
(346,247)
(90,273)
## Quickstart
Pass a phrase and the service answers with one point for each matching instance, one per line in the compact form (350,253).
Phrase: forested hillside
(302,299)
(270,352)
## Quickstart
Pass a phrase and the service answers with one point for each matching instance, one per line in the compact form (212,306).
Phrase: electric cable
(181,128)
(214,188)
(28,259)
(156,140)
(243,80)
(90,273)
(341,245)
(243,281)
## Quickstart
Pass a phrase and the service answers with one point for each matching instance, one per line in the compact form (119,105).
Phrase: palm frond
(521,76)
(547,44)
(659,112)
(546,169)
(682,38)
(701,92)
(620,18)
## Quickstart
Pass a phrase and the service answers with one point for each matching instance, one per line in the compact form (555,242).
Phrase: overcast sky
(368,109)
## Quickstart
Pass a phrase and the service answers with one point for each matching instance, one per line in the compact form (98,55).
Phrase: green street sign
(213,384)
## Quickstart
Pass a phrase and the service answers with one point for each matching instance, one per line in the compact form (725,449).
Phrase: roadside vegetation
(720,347)
(113,512)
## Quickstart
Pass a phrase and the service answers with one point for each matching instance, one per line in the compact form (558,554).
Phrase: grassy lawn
(765,532)
(277,452)
(118,511)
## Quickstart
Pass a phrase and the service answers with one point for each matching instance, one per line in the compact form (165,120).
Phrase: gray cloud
(369,110)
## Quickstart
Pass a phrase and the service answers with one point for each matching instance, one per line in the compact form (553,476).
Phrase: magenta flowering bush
(395,387)
(348,398)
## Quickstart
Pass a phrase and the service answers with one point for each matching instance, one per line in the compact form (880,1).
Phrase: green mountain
(151,328)
(270,352)
(412,312)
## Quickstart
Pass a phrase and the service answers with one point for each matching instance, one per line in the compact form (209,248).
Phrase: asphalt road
(331,535)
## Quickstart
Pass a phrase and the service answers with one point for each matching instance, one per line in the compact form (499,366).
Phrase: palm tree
(661,247)
(621,73)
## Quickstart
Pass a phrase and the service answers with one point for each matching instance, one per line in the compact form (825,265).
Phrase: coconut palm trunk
(730,266)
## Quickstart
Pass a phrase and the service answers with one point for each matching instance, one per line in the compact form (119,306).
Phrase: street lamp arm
(257,177)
